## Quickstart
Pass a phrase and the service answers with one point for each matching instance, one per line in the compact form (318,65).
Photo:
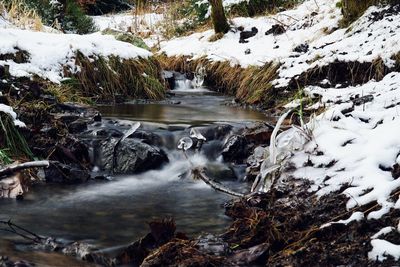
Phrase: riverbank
(329,180)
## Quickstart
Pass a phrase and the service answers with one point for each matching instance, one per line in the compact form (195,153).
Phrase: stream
(115,212)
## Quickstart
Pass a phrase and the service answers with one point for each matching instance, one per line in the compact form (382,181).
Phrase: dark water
(114,213)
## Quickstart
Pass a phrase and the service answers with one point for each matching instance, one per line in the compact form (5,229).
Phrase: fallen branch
(199,173)
(27,165)
(18,230)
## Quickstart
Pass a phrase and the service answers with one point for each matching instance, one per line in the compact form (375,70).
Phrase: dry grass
(105,79)
(22,16)
(251,85)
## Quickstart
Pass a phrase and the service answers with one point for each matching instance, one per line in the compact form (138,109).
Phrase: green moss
(127,37)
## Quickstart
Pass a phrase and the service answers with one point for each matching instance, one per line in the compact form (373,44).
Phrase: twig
(27,165)
(18,230)
(199,173)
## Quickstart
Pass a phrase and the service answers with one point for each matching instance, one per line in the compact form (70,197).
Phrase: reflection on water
(194,108)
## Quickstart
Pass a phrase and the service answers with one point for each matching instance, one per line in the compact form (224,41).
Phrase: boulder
(61,173)
(131,156)
(235,149)
(259,134)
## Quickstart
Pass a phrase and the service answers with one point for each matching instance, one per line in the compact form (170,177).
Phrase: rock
(258,134)
(58,172)
(244,35)
(276,29)
(6,262)
(49,131)
(170,78)
(131,156)
(212,245)
(148,137)
(109,132)
(247,51)
(235,149)
(358,101)
(301,48)
(217,132)
(127,37)
(254,163)
(97,117)
(78,126)
(396,171)
(220,172)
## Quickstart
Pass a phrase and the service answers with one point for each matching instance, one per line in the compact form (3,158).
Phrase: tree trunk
(218,17)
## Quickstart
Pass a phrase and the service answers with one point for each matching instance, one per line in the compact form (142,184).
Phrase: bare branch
(27,165)
(199,173)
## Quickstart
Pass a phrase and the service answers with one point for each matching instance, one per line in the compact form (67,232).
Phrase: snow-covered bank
(49,53)
(305,24)
(311,39)
(355,147)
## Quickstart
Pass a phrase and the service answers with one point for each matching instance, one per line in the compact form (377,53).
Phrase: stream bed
(115,212)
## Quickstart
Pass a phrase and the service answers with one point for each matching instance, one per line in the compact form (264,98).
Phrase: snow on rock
(49,52)
(8,110)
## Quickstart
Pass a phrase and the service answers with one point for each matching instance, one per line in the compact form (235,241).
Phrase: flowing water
(112,213)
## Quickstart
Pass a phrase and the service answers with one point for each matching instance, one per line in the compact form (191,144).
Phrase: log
(27,165)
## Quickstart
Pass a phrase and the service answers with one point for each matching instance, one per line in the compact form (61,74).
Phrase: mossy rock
(127,37)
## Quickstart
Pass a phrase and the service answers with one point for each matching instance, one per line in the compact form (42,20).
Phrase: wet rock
(148,137)
(216,132)
(220,172)
(131,156)
(235,149)
(6,262)
(67,118)
(77,126)
(249,256)
(109,132)
(97,117)
(65,174)
(170,79)
(259,134)
(162,231)
(276,29)
(212,244)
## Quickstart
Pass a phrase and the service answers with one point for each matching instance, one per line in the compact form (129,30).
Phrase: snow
(306,23)
(383,231)
(9,110)
(49,52)
(382,248)
(314,23)
(145,22)
(356,216)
